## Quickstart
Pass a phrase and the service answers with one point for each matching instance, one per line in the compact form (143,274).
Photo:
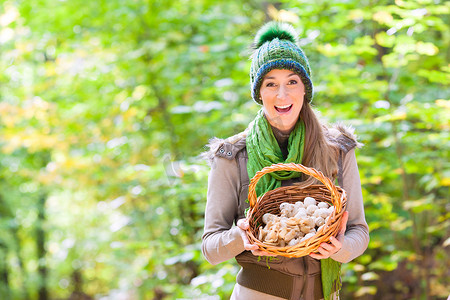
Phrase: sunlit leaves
(106,106)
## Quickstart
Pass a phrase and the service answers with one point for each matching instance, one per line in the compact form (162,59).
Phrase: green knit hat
(276,48)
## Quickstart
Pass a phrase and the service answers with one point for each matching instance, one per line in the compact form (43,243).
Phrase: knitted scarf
(263,150)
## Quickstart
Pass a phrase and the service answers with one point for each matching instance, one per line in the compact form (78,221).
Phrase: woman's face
(282,93)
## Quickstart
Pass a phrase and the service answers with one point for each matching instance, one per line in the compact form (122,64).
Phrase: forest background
(105,107)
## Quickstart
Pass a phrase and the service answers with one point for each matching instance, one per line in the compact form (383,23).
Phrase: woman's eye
(270,84)
(292,81)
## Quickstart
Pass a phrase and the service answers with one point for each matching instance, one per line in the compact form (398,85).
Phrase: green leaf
(385,40)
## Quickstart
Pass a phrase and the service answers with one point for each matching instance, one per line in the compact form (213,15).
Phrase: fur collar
(344,136)
(215,143)
(340,134)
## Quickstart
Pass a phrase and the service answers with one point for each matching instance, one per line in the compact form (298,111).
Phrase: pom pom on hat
(273,30)
(276,48)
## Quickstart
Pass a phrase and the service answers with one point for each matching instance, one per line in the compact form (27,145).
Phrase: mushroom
(272,236)
(290,235)
(321,212)
(301,213)
(323,205)
(310,222)
(293,221)
(309,201)
(319,221)
(266,218)
(286,209)
(262,233)
(311,209)
(293,242)
(298,204)
(305,229)
(331,210)
(307,236)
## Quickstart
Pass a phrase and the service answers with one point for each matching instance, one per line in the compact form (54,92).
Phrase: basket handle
(293,167)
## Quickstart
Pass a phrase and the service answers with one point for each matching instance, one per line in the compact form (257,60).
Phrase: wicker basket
(270,203)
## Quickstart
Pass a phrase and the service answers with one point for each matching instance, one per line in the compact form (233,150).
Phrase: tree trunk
(5,292)
(24,276)
(77,281)
(40,245)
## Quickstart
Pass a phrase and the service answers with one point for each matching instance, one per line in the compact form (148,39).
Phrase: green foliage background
(105,107)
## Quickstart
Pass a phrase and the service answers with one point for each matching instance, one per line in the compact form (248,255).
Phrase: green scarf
(263,151)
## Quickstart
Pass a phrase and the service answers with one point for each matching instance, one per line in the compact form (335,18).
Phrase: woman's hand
(243,225)
(325,250)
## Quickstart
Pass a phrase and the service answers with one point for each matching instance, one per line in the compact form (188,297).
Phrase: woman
(285,130)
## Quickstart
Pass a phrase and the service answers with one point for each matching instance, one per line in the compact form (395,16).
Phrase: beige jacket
(221,240)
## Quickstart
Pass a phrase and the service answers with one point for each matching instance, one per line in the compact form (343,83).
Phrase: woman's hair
(319,152)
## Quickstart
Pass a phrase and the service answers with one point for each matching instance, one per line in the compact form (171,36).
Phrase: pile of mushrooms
(297,222)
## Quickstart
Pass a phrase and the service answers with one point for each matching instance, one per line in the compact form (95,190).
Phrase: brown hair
(319,152)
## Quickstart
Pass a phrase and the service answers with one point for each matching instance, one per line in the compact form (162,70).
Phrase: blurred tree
(105,107)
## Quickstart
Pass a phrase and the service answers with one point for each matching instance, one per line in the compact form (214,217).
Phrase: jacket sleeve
(356,238)
(221,240)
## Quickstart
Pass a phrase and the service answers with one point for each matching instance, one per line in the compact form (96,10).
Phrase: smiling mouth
(283,108)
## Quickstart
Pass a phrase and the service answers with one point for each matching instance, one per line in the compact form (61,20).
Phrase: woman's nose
(281,92)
